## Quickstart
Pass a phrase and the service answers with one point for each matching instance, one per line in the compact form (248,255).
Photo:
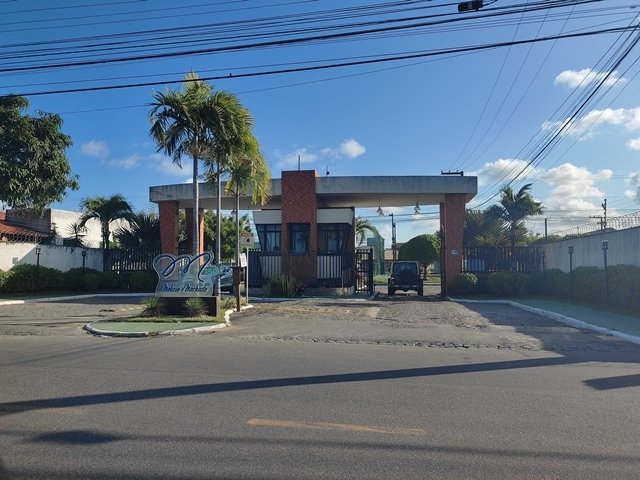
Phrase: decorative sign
(454,252)
(184,275)
(243,260)
(246,239)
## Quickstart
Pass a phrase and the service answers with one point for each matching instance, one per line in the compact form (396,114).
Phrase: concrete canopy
(336,192)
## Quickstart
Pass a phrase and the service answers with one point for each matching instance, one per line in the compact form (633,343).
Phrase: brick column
(300,205)
(168,213)
(454,206)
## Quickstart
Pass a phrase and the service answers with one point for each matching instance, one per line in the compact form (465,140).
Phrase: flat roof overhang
(336,192)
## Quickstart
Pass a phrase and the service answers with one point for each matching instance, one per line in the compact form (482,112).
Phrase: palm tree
(514,209)
(248,169)
(362,227)
(143,232)
(76,231)
(182,123)
(105,210)
(482,231)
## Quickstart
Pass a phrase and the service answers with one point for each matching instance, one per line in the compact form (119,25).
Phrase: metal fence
(623,222)
(501,259)
(313,269)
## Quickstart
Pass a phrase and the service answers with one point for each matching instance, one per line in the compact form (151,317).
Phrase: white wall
(52,256)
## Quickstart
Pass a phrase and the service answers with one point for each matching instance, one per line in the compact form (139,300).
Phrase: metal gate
(364,270)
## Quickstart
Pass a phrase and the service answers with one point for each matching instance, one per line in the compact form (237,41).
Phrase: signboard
(246,239)
(243,260)
(185,275)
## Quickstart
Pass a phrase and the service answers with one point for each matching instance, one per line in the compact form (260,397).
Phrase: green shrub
(110,281)
(588,285)
(91,282)
(623,286)
(283,286)
(72,279)
(153,306)
(195,307)
(557,283)
(143,281)
(20,279)
(508,283)
(465,283)
(230,303)
(3,278)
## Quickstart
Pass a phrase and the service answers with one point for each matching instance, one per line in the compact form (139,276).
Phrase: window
(299,237)
(269,237)
(332,238)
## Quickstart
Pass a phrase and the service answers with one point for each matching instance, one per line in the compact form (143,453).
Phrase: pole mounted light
(571,273)
(605,247)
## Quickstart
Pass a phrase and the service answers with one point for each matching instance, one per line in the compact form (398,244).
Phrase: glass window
(299,237)
(332,238)
(270,237)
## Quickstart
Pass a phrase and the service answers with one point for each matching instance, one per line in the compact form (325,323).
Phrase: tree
(182,123)
(143,232)
(480,230)
(34,171)
(362,227)
(76,231)
(228,233)
(105,210)
(514,209)
(424,249)
(248,169)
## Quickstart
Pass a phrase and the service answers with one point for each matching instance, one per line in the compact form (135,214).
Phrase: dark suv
(405,276)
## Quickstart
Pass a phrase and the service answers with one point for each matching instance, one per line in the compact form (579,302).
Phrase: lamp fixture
(379,211)
(416,211)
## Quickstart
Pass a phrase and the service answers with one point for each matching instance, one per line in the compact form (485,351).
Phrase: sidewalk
(577,316)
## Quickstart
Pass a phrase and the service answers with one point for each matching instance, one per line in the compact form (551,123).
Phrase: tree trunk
(237,228)
(218,222)
(196,212)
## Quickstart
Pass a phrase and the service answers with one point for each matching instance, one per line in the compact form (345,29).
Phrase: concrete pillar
(454,207)
(168,213)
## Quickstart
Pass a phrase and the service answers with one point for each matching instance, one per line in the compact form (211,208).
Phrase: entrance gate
(364,270)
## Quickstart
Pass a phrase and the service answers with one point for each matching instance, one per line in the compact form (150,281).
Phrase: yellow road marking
(335,426)
(305,309)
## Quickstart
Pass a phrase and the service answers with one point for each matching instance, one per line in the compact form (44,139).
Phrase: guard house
(307,228)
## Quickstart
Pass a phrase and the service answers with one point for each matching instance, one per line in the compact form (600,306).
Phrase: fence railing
(501,259)
(313,269)
(622,222)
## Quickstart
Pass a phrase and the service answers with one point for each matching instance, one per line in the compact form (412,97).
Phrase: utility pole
(604,206)
(601,221)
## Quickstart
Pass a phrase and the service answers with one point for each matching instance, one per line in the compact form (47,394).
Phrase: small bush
(229,303)
(153,306)
(72,279)
(20,279)
(110,281)
(91,282)
(195,307)
(465,283)
(3,278)
(143,281)
(508,283)
(283,286)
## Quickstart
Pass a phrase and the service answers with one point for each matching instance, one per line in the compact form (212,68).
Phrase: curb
(572,322)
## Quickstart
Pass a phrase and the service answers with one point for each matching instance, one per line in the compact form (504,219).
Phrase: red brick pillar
(168,212)
(300,205)
(188,212)
(454,207)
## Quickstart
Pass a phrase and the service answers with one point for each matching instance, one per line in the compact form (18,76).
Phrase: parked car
(405,276)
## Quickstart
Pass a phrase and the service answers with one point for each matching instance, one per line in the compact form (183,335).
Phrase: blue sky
(520,92)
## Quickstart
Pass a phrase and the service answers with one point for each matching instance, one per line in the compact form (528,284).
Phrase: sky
(518,92)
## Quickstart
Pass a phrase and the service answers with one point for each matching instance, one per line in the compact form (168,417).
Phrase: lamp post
(544,274)
(38,252)
(605,247)
(393,236)
(571,273)
(84,259)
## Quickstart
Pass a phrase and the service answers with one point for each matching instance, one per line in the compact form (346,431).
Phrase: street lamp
(393,237)
(544,274)
(605,247)
(571,273)
(38,252)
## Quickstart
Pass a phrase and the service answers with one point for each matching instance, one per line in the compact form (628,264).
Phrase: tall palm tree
(514,209)
(229,137)
(182,123)
(142,232)
(105,210)
(482,231)
(362,227)
(76,231)
(248,169)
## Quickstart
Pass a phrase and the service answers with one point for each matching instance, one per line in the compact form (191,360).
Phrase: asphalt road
(396,388)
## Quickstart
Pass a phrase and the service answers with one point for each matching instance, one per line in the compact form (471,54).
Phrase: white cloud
(127,163)
(164,164)
(348,149)
(503,170)
(574,186)
(633,179)
(95,148)
(629,118)
(582,78)
(634,144)
(291,159)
